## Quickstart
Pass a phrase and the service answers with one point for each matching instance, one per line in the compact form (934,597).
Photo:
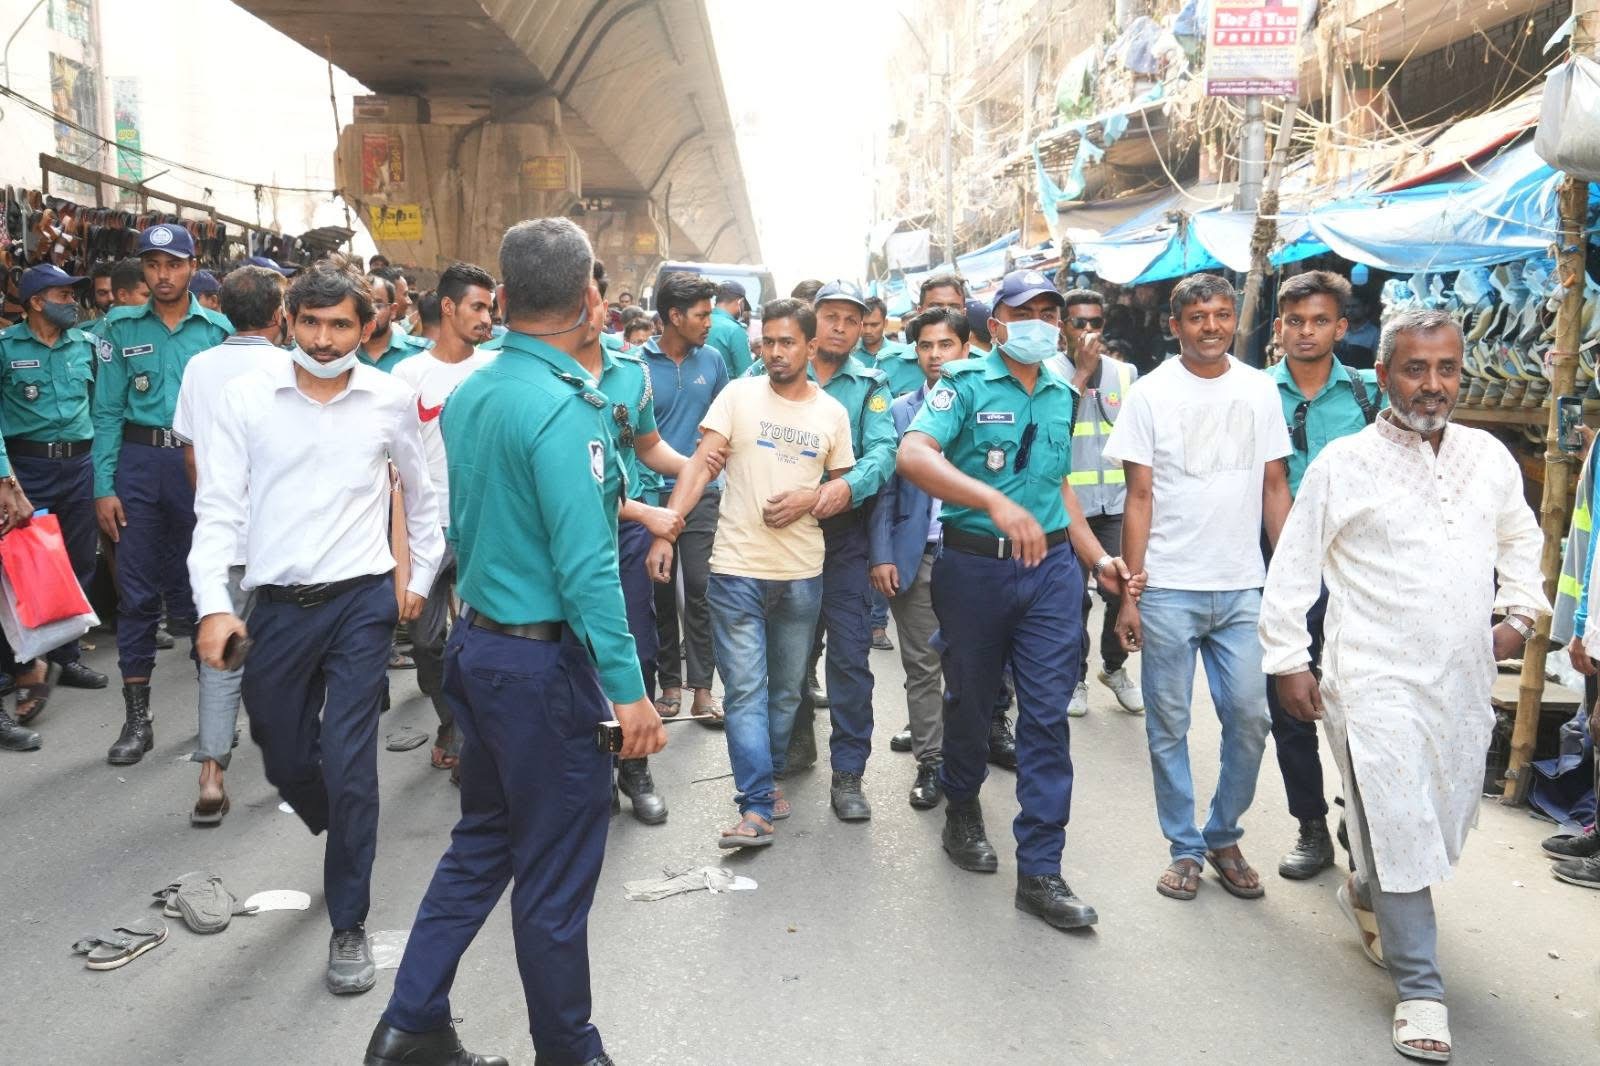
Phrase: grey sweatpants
(915,623)
(220,692)
(1406,920)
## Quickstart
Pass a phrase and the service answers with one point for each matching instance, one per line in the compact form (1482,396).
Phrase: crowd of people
(582,514)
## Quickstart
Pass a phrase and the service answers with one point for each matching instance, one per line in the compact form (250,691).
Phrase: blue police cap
(204,282)
(45,276)
(169,238)
(270,264)
(840,290)
(1020,286)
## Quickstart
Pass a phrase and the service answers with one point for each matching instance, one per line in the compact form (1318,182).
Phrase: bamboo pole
(1265,234)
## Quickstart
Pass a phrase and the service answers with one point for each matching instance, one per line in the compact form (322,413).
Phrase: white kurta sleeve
(1294,580)
(1518,545)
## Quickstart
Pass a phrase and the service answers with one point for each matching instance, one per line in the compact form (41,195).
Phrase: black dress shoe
(1051,898)
(901,741)
(965,840)
(440,1047)
(1311,855)
(635,782)
(14,737)
(1002,743)
(848,802)
(927,792)
(77,675)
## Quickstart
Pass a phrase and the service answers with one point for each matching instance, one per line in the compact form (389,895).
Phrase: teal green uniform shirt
(864,392)
(44,390)
(980,414)
(141,369)
(5,461)
(1332,413)
(611,342)
(535,487)
(402,346)
(900,367)
(731,339)
(625,381)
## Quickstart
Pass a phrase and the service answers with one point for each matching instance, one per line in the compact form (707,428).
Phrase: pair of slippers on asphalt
(198,898)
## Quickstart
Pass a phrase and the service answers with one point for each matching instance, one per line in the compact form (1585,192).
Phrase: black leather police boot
(440,1047)
(901,741)
(964,838)
(926,792)
(77,675)
(14,737)
(1051,898)
(138,731)
(1311,855)
(802,742)
(848,802)
(635,782)
(1002,743)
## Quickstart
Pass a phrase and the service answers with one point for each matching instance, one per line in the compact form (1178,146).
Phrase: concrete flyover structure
(485,112)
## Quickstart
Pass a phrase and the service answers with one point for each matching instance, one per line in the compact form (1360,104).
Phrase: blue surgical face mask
(1031,340)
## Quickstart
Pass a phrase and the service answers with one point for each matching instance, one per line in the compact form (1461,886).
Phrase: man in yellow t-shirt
(780,434)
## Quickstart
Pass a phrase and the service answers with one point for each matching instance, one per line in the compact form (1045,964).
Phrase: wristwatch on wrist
(1100,564)
(1523,629)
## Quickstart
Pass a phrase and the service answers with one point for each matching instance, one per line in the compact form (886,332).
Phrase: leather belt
(550,631)
(154,436)
(48,449)
(992,547)
(311,595)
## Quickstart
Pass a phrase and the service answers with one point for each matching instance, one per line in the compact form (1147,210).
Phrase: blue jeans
(1221,626)
(762,632)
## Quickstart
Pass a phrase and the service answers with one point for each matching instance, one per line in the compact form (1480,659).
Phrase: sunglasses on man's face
(1088,323)
(620,413)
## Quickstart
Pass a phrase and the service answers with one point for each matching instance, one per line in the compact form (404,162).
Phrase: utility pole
(949,164)
(1265,234)
(1252,153)
(1555,506)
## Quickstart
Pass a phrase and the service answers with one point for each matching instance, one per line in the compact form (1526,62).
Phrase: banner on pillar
(1253,48)
(395,222)
(125,108)
(645,243)
(383,163)
(545,173)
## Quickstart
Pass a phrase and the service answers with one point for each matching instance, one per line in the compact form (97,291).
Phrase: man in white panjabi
(1412,523)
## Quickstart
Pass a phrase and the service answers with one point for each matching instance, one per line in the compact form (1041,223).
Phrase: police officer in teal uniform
(143,498)
(542,655)
(993,443)
(46,375)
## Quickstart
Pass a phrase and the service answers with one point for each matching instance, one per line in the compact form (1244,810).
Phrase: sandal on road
(1422,1019)
(1237,867)
(210,812)
(709,714)
(201,901)
(1366,924)
(759,835)
(669,706)
(780,806)
(32,699)
(1181,880)
(121,945)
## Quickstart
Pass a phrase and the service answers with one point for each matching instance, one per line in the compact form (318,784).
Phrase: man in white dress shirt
(1412,522)
(297,465)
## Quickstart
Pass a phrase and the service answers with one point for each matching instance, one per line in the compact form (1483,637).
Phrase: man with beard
(843,506)
(466,293)
(388,345)
(1420,530)
(298,458)
(143,498)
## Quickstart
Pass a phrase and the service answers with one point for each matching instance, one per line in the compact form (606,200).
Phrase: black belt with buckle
(47,449)
(551,631)
(154,436)
(992,547)
(311,595)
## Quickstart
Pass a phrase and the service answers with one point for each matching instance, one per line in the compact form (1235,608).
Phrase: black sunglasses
(1089,323)
(1021,462)
(1297,428)
(620,413)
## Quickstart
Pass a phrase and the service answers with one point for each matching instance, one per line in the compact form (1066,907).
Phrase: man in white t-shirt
(1200,440)
(780,434)
(252,298)
(466,319)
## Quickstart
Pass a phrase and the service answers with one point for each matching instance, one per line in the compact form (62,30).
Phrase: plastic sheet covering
(1569,137)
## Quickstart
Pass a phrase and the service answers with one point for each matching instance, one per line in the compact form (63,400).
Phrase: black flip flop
(38,695)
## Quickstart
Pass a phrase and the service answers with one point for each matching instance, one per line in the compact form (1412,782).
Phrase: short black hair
(939,316)
(1083,296)
(127,274)
(1311,283)
(600,278)
(428,308)
(328,283)
(1198,288)
(637,324)
(633,312)
(375,279)
(730,291)
(942,281)
(250,296)
(875,303)
(387,273)
(101,270)
(807,290)
(795,308)
(680,290)
(459,277)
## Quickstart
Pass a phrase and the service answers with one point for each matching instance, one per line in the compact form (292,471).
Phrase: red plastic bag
(34,558)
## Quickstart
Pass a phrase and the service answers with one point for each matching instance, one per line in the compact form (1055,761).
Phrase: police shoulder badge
(141,382)
(597,461)
(878,404)
(941,399)
(995,460)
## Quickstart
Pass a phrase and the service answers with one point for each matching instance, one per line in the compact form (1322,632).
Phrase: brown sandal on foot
(1188,875)
(32,699)
(760,834)
(1238,866)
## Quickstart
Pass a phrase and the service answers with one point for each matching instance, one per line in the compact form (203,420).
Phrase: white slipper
(1366,924)
(1422,1019)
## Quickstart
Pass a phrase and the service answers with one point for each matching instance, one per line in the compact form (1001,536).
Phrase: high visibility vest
(1099,482)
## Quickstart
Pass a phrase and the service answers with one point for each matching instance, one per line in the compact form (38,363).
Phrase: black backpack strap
(1358,389)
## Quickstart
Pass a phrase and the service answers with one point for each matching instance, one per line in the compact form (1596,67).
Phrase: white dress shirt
(306,486)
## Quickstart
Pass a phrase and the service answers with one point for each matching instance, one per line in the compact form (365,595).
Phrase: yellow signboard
(644,244)
(545,172)
(395,222)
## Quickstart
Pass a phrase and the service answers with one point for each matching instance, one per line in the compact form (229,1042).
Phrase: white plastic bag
(27,644)
(1568,137)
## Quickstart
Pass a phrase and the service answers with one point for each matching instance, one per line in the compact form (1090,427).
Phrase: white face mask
(322,370)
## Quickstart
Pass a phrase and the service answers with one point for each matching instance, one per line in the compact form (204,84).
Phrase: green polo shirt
(1332,413)
(625,380)
(402,346)
(141,369)
(864,392)
(979,414)
(535,486)
(44,389)
(731,339)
